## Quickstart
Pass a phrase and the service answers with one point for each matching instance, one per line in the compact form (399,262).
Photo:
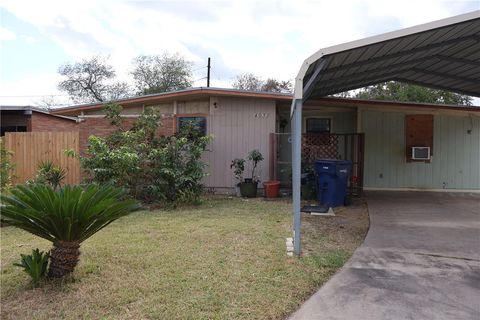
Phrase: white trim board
(423,190)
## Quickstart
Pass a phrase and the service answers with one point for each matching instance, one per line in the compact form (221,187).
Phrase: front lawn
(222,260)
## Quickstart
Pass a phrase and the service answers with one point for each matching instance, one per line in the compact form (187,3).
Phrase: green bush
(66,217)
(176,169)
(150,168)
(35,265)
(255,157)
(6,168)
(51,174)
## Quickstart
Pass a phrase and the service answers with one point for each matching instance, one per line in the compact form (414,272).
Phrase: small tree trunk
(63,258)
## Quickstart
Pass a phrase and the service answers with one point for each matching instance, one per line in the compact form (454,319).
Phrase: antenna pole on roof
(208,73)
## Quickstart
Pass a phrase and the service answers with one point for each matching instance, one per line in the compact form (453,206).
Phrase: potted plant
(238,166)
(248,188)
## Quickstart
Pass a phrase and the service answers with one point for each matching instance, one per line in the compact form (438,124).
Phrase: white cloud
(31,90)
(29,39)
(6,34)
(269,38)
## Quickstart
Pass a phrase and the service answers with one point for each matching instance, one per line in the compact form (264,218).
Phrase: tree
(161,73)
(274,85)
(397,91)
(247,81)
(251,82)
(91,80)
(66,217)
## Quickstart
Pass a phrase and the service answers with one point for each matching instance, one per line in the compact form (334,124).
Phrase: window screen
(199,123)
(318,125)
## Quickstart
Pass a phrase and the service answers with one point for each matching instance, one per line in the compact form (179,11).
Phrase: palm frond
(70,214)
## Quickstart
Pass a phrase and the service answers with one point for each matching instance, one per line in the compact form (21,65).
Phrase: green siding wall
(455,159)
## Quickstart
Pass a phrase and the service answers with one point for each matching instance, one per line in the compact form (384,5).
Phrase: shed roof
(27,110)
(442,54)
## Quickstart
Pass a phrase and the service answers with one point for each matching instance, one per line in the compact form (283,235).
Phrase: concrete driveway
(420,260)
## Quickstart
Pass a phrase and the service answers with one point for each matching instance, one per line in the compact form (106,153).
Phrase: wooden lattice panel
(319,146)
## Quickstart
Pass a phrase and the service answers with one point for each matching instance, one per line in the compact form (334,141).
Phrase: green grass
(222,260)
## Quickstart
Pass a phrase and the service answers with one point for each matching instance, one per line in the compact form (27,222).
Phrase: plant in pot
(238,166)
(248,188)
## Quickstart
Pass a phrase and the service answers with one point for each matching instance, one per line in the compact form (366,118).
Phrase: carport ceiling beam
(436,86)
(448,76)
(361,81)
(403,64)
(459,60)
(344,89)
(308,88)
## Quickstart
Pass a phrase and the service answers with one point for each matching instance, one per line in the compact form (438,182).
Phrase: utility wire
(39,95)
(199,68)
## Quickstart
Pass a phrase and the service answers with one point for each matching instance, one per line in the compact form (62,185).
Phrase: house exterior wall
(455,160)
(238,125)
(343,120)
(40,122)
(101,127)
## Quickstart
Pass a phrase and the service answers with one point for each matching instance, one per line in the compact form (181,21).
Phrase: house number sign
(261,115)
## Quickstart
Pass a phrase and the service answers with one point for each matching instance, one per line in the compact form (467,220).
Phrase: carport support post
(296,172)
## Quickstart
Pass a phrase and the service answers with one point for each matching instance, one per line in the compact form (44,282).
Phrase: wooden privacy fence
(31,148)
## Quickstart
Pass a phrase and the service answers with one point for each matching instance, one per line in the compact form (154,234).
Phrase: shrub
(255,157)
(177,170)
(151,168)
(35,265)
(49,173)
(66,217)
(6,168)
(238,166)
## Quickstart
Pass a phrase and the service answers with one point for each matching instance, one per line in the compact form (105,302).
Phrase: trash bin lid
(332,166)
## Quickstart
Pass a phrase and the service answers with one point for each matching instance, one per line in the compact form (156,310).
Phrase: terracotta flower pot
(271,189)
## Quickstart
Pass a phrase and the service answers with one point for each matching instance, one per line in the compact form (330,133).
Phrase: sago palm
(66,217)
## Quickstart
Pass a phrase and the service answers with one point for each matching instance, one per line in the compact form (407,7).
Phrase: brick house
(31,119)
(377,136)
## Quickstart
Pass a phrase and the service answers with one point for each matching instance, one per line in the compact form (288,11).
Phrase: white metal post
(296,172)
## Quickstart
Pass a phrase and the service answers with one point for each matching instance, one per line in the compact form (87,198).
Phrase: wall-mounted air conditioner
(420,153)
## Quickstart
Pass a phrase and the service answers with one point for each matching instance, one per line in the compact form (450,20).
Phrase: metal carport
(442,54)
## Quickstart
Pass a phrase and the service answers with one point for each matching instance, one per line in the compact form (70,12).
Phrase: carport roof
(442,54)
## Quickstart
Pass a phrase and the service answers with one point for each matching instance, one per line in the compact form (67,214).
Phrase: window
(12,129)
(199,123)
(318,125)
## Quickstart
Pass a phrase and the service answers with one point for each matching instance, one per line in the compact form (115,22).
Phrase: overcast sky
(267,38)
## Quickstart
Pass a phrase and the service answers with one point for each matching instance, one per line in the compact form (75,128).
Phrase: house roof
(185,94)
(195,93)
(442,54)
(29,109)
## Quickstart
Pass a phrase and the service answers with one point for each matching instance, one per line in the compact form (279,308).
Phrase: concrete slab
(420,260)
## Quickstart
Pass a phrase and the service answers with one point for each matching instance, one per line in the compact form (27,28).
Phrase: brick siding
(101,127)
(40,122)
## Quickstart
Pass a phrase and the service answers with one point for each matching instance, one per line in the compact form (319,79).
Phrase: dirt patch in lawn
(344,231)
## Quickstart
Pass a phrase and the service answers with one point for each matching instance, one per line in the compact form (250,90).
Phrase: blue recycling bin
(332,179)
